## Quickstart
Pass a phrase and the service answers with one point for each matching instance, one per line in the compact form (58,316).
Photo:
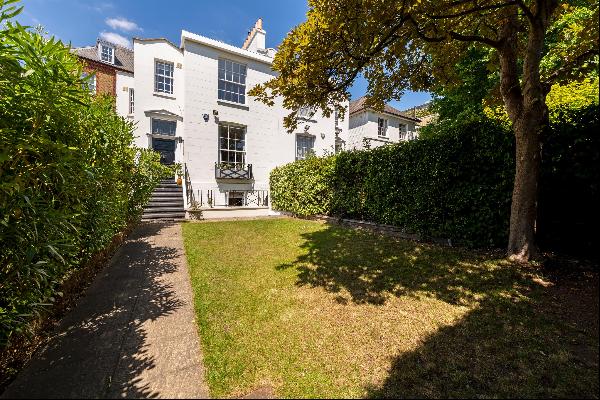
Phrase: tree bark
(525,101)
(523,213)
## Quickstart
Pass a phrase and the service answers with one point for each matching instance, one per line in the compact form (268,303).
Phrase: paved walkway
(133,334)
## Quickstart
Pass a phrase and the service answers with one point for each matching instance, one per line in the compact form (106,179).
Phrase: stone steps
(166,202)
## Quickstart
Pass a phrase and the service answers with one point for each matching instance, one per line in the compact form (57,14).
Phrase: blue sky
(81,22)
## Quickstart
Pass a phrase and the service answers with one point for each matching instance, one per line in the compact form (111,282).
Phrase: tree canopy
(415,44)
(410,44)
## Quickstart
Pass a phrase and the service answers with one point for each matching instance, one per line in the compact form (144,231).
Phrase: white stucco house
(190,103)
(369,128)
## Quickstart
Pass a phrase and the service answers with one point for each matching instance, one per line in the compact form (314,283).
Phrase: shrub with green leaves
(456,184)
(69,178)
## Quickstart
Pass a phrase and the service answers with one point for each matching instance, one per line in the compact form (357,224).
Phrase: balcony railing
(231,171)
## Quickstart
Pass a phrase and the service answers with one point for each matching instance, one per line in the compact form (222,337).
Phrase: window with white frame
(163,77)
(306,112)
(232,145)
(339,145)
(131,101)
(90,82)
(305,146)
(382,125)
(403,132)
(232,81)
(107,53)
(164,127)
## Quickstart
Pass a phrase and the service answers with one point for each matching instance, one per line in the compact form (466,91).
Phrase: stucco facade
(369,128)
(208,132)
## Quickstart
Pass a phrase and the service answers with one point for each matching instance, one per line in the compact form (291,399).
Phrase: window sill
(164,95)
(232,104)
(130,116)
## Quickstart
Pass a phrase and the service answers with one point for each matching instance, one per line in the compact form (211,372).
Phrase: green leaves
(69,178)
(453,185)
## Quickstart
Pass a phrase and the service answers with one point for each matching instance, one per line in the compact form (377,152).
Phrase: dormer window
(107,54)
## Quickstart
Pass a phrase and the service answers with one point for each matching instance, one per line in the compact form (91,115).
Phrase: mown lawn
(312,310)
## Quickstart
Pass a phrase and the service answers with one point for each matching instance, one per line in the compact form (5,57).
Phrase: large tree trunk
(525,101)
(523,215)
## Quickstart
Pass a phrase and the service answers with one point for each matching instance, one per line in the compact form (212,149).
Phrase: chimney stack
(256,38)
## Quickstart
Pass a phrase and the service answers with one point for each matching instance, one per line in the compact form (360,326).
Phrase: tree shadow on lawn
(513,341)
(100,349)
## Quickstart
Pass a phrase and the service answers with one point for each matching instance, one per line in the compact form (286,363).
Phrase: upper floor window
(403,132)
(306,112)
(232,81)
(164,127)
(131,101)
(107,53)
(232,145)
(90,84)
(163,77)
(305,146)
(382,125)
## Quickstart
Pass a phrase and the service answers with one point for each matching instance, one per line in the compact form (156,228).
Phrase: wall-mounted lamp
(205,116)
(215,112)
(322,135)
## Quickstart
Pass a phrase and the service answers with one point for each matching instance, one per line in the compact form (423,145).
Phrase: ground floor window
(339,145)
(305,146)
(232,145)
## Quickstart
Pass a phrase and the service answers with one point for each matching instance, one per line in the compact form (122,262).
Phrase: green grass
(312,310)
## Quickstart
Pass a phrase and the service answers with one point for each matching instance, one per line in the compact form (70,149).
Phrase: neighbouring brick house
(111,64)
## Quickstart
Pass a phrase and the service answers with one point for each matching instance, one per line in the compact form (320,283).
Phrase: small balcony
(233,171)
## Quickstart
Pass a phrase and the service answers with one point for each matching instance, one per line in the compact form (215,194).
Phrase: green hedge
(69,178)
(456,185)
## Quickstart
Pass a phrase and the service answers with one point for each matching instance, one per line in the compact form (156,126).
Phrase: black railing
(189,191)
(230,171)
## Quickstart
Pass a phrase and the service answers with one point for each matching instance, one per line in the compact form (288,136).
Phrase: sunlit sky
(82,22)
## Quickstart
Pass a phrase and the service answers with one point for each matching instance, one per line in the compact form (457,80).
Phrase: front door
(166,148)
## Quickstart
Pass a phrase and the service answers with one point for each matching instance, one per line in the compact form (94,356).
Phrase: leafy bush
(569,215)
(69,178)
(456,184)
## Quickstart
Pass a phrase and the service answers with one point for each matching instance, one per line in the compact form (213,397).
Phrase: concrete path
(133,334)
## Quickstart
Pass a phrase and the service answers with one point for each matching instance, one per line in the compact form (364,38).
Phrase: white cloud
(115,38)
(122,24)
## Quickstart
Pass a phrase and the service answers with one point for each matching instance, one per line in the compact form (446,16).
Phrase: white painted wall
(196,93)
(364,124)
(149,104)
(125,80)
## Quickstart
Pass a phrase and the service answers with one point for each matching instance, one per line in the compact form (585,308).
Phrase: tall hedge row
(457,183)
(69,178)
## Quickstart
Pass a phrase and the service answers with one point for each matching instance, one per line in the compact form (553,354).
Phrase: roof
(123,56)
(360,105)
(185,35)
(159,39)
